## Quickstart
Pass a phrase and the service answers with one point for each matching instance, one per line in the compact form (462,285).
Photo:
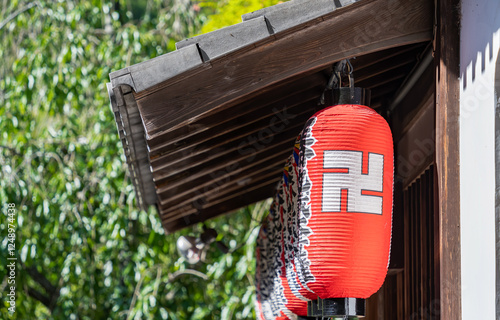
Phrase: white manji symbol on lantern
(346,188)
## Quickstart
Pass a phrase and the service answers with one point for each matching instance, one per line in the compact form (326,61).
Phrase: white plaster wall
(480,42)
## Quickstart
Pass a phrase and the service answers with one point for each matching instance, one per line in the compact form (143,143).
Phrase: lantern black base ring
(341,308)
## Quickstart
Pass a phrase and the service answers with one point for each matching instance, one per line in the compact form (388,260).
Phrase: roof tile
(223,41)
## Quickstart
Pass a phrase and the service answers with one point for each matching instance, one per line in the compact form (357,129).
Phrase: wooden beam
(407,254)
(385,66)
(364,27)
(424,246)
(225,191)
(295,108)
(365,61)
(205,163)
(228,203)
(447,155)
(215,182)
(190,217)
(379,82)
(246,112)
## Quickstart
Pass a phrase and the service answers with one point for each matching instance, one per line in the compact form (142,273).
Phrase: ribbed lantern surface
(328,231)
(346,201)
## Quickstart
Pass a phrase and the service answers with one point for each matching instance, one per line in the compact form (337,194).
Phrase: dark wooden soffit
(219,115)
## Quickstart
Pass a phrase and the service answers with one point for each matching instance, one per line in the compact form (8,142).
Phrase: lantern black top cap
(351,95)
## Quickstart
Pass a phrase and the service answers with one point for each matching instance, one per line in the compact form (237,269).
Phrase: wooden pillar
(447,47)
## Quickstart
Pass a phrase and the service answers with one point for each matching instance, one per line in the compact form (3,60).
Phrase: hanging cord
(344,72)
(340,71)
(332,83)
(350,74)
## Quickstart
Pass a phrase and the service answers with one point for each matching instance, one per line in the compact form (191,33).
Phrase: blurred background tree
(84,250)
(229,12)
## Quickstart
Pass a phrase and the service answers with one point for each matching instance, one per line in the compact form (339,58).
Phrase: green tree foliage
(230,11)
(84,249)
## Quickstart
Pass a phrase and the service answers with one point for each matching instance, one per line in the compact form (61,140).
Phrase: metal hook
(345,69)
(332,82)
(340,70)
(350,74)
(349,66)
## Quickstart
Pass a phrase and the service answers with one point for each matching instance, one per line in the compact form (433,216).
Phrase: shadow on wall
(480,25)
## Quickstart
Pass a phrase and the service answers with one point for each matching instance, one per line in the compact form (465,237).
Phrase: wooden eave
(207,128)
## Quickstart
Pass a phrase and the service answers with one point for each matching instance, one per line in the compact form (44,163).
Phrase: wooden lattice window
(421,272)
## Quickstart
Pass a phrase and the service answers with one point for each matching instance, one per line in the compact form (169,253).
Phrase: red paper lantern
(326,240)
(346,202)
